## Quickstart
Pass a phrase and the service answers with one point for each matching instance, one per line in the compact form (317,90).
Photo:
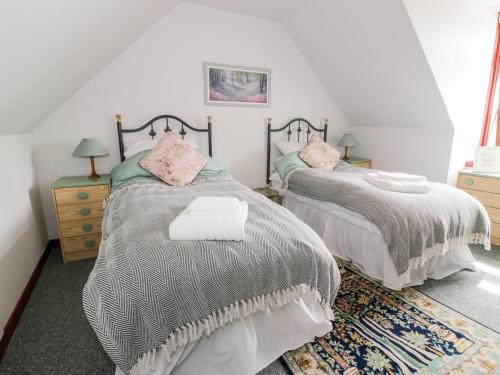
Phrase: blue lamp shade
(348,140)
(89,147)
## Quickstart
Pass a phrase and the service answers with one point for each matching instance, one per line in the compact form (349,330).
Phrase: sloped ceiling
(366,53)
(275,10)
(49,48)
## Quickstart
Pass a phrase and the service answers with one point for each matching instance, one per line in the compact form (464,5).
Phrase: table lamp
(90,148)
(347,141)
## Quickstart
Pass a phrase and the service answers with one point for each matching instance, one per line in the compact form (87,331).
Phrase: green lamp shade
(348,140)
(89,147)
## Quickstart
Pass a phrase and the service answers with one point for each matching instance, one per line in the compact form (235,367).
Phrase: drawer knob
(87,227)
(83,195)
(89,243)
(84,211)
(469,181)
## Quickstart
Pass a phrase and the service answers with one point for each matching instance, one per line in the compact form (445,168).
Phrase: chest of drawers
(486,189)
(359,162)
(78,203)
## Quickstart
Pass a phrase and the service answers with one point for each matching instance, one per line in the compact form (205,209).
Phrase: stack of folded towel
(211,218)
(399,182)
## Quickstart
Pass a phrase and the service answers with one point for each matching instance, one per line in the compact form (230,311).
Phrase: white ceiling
(366,53)
(50,48)
(276,10)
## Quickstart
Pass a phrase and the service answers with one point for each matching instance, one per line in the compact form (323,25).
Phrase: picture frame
(232,85)
(487,160)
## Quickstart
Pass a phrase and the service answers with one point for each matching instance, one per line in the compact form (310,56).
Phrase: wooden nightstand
(485,187)
(269,193)
(359,162)
(78,204)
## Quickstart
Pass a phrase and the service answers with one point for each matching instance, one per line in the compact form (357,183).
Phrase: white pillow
(147,144)
(138,146)
(275,177)
(276,181)
(286,147)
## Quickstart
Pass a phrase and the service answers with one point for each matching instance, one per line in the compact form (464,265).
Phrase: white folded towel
(399,176)
(211,218)
(415,187)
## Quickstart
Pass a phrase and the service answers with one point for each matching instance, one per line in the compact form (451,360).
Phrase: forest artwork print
(232,85)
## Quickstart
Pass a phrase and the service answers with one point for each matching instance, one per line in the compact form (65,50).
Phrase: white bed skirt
(246,346)
(352,237)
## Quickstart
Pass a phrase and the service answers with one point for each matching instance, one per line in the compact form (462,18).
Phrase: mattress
(352,237)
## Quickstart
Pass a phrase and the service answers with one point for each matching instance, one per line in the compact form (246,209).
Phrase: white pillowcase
(138,146)
(276,181)
(286,147)
(275,177)
(147,144)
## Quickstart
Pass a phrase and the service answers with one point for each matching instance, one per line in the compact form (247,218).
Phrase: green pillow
(288,163)
(342,163)
(130,168)
(212,168)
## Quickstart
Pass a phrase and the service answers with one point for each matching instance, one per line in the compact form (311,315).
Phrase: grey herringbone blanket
(147,292)
(415,227)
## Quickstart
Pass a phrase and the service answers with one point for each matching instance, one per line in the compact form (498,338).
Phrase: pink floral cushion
(319,154)
(173,161)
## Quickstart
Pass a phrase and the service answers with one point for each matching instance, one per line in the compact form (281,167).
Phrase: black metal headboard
(152,132)
(289,131)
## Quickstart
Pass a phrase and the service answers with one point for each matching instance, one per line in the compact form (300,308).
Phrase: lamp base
(93,175)
(346,157)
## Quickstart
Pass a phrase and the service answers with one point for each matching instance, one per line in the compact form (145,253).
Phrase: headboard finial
(118,118)
(269,119)
(209,119)
(326,121)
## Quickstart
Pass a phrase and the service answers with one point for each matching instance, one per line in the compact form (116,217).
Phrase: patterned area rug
(377,331)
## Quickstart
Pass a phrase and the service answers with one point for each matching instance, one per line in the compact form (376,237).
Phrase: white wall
(162,73)
(457,37)
(22,228)
(369,57)
(423,151)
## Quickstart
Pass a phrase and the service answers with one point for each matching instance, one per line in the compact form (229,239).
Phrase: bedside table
(485,187)
(78,205)
(359,162)
(269,193)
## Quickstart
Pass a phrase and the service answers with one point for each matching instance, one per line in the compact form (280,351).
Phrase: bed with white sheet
(160,306)
(350,235)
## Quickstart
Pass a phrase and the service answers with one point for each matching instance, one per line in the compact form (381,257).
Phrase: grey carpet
(53,336)
(465,291)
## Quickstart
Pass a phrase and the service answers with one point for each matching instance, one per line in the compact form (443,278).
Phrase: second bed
(351,234)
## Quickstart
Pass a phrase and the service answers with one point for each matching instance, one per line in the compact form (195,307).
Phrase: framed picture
(487,160)
(236,85)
